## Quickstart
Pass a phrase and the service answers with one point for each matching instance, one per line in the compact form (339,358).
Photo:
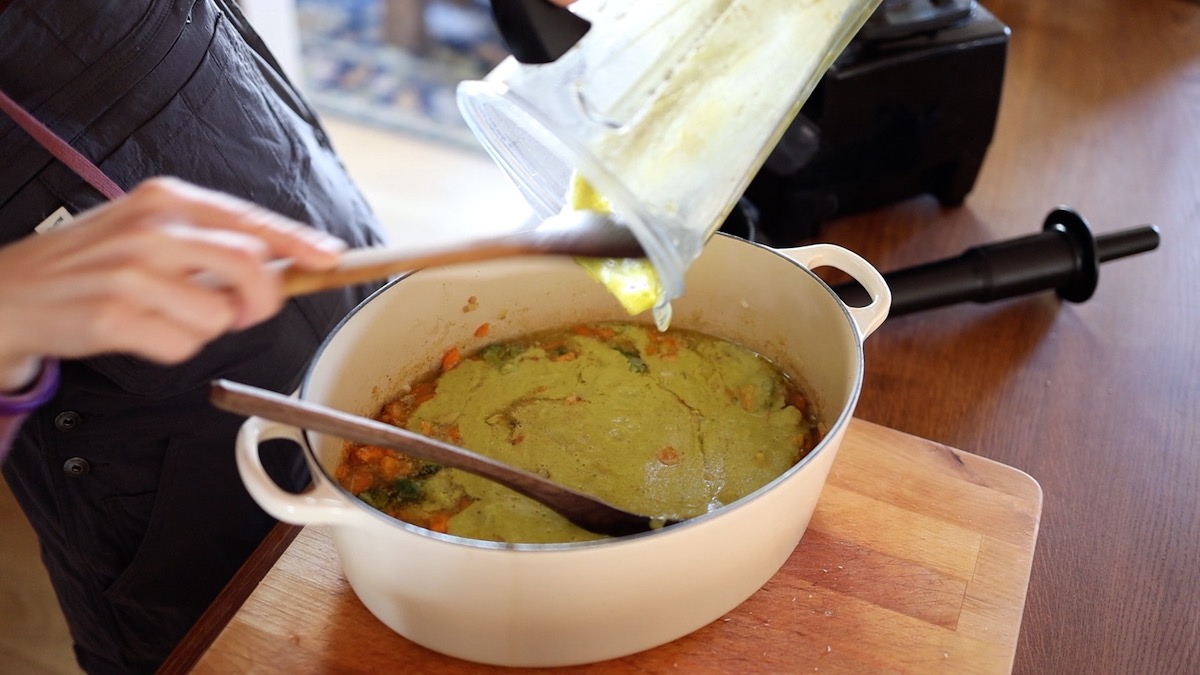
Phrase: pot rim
(842,420)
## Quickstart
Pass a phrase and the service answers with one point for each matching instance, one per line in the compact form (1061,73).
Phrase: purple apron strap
(82,166)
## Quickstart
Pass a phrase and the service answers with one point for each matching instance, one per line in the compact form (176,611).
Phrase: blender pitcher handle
(321,504)
(868,317)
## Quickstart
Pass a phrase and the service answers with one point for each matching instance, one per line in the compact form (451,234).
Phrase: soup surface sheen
(671,424)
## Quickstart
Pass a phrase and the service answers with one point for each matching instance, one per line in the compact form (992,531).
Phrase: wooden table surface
(1098,401)
(916,561)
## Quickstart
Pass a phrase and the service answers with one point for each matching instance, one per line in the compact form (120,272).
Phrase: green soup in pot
(671,424)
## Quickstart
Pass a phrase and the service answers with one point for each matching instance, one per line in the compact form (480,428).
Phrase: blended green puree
(670,424)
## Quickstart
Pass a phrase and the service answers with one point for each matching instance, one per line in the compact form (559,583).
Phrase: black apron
(128,475)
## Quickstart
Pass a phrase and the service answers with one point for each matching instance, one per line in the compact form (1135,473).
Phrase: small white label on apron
(60,216)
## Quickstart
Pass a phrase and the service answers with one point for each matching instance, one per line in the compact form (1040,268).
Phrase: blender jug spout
(664,109)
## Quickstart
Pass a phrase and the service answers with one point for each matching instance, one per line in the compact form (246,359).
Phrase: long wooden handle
(369,264)
(576,233)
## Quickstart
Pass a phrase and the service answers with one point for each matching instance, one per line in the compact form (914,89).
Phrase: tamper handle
(1126,242)
(1064,256)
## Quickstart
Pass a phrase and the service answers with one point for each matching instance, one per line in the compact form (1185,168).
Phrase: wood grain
(1098,401)
(916,561)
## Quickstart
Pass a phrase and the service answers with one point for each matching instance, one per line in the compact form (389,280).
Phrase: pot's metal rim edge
(842,420)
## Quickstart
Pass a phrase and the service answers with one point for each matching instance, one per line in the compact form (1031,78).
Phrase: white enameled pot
(563,604)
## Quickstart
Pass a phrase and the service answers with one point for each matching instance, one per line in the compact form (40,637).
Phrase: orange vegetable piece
(661,344)
(360,480)
(668,455)
(439,522)
(369,454)
(394,412)
(451,358)
(392,467)
(797,401)
(422,392)
(483,330)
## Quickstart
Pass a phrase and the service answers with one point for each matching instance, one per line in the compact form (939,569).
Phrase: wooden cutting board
(916,561)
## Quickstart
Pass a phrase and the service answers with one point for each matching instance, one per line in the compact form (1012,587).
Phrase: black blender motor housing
(908,108)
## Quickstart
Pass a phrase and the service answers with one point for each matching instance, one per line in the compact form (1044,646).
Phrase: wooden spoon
(574,233)
(588,512)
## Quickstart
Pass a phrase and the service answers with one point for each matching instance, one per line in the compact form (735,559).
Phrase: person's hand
(157,274)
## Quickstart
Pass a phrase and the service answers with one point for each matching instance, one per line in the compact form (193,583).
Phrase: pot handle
(868,317)
(321,504)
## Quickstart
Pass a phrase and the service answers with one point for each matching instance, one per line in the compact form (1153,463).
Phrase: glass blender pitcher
(665,108)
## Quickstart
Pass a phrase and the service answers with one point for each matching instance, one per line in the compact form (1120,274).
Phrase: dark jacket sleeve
(8,428)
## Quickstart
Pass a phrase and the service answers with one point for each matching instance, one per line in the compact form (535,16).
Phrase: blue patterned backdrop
(351,71)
